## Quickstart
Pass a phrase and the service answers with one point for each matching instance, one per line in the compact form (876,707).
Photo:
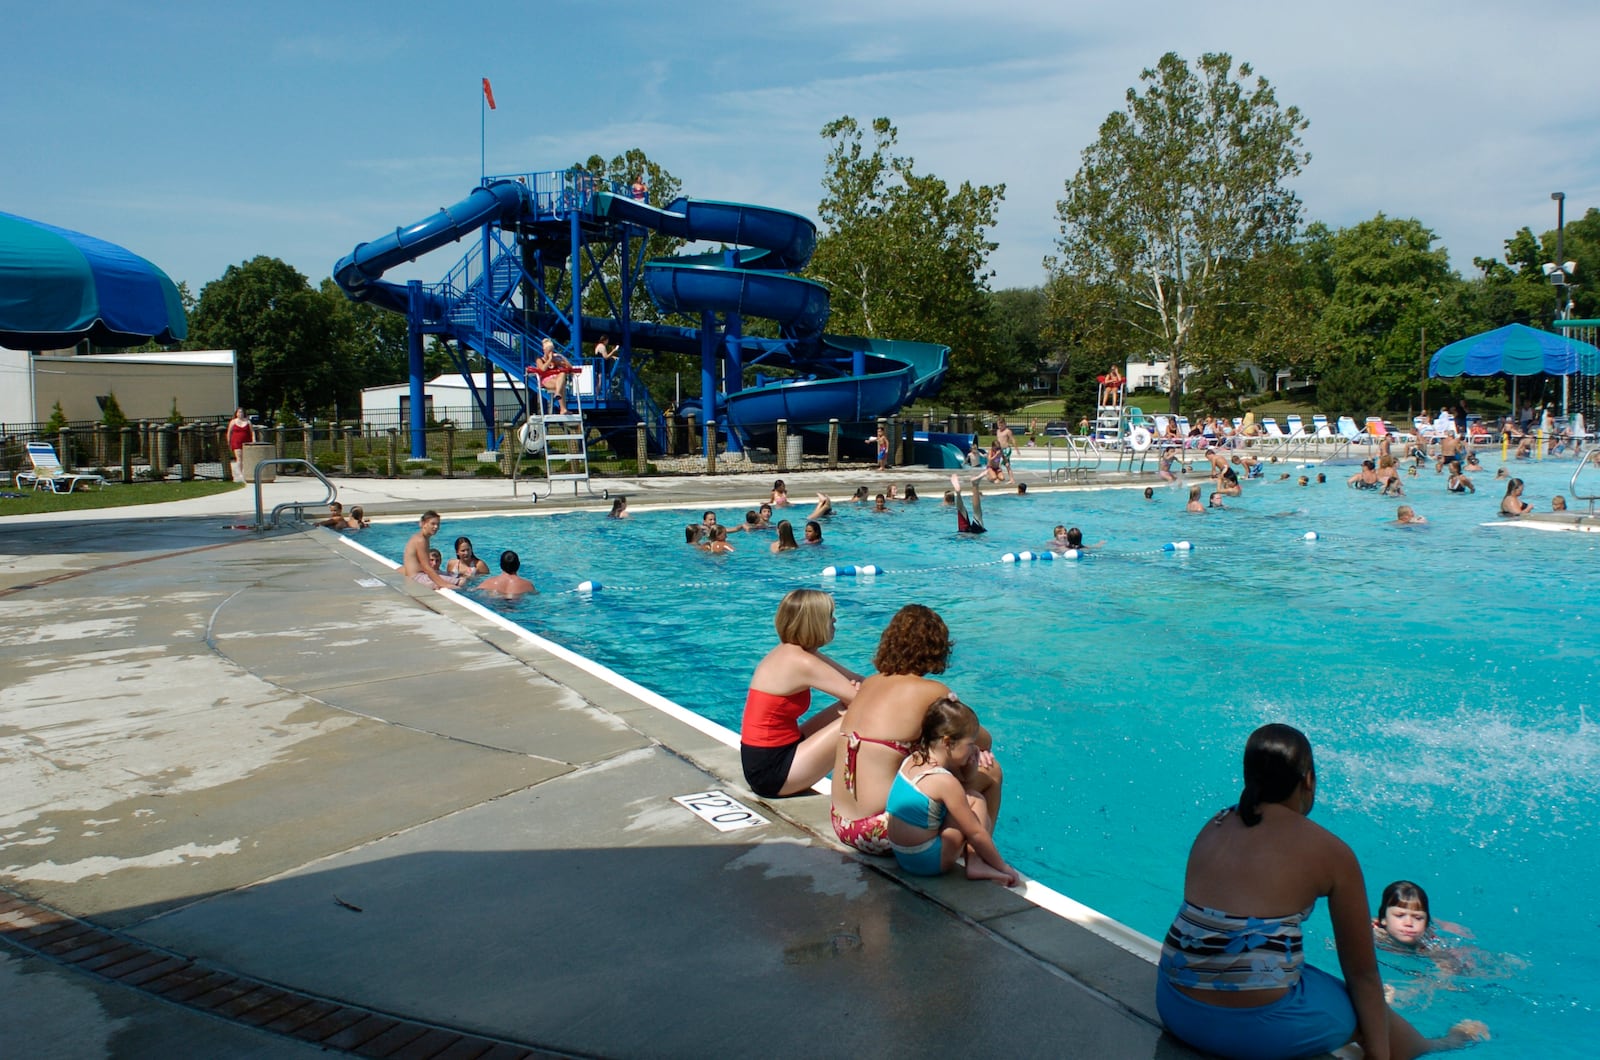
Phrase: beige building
(205,383)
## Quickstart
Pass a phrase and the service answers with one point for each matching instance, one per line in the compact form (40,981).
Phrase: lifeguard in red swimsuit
(1111,387)
(553,371)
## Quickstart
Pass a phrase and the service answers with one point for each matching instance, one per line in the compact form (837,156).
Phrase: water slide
(358,273)
(853,380)
(849,379)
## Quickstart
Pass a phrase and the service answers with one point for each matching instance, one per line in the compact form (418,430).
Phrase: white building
(448,397)
(204,383)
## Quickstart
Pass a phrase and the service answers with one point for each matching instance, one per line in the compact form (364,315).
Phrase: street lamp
(1560,277)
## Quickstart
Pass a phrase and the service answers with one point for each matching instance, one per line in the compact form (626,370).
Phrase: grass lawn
(113,496)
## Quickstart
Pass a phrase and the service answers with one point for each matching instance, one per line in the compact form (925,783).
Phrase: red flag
(488,93)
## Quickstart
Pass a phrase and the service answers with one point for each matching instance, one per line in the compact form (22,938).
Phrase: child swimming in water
(1402,922)
(932,817)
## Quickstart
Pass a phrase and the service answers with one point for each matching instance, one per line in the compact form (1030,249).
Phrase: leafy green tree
(906,257)
(1389,285)
(1020,347)
(1178,193)
(289,339)
(604,299)
(372,342)
(175,417)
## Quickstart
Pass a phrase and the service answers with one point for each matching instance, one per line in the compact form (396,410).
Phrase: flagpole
(483,136)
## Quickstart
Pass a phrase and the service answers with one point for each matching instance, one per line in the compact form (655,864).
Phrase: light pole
(1559,273)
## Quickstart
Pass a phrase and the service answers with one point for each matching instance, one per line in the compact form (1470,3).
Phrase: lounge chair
(1274,432)
(1319,423)
(48,473)
(1348,430)
(1296,427)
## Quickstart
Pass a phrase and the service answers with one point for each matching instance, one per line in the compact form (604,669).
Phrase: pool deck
(262,797)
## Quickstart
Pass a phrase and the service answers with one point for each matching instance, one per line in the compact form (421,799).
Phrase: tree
(57,421)
(907,258)
(1389,284)
(1179,192)
(111,413)
(290,343)
(604,299)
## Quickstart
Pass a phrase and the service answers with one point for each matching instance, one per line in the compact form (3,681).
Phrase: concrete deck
(261,796)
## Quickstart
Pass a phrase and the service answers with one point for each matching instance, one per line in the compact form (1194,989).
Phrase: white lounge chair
(1319,423)
(1349,430)
(1274,432)
(48,473)
(1295,425)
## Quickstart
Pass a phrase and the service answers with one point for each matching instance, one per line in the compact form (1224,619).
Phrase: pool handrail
(1585,459)
(298,506)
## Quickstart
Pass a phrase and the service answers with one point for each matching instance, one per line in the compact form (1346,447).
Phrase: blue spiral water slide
(853,380)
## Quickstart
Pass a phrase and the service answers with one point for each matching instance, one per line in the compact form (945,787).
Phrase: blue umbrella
(58,287)
(1515,349)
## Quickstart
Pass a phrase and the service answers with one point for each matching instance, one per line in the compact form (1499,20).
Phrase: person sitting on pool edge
(1233,979)
(885,722)
(781,756)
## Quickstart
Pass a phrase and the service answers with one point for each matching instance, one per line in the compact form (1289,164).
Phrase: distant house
(1152,375)
(204,383)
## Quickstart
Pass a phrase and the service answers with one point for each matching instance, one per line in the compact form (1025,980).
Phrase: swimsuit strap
(852,746)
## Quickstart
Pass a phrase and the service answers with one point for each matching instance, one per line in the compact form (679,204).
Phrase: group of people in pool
(914,778)
(424,565)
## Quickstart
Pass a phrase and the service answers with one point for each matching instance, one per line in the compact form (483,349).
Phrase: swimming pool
(1444,674)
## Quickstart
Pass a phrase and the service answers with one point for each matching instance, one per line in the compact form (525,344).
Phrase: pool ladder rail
(1586,461)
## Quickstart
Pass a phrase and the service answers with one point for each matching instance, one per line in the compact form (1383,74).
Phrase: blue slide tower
(541,242)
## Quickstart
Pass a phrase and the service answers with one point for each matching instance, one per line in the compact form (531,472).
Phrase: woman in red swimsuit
(241,432)
(553,371)
(780,755)
(885,723)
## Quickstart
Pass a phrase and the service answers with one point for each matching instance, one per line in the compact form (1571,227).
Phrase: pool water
(1445,675)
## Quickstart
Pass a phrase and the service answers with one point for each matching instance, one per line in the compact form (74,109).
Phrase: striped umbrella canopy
(1515,349)
(59,287)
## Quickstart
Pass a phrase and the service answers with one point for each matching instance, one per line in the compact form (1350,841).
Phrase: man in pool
(414,564)
(508,582)
(968,524)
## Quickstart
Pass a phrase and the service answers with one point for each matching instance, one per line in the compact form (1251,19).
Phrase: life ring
(1139,439)
(532,435)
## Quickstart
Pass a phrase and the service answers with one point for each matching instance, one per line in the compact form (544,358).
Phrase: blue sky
(202,134)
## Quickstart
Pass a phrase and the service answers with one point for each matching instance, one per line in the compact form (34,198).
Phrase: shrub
(487,471)
(175,417)
(111,415)
(57,420)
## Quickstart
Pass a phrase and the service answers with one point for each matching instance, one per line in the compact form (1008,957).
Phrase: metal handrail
(1584,460)
(285,462)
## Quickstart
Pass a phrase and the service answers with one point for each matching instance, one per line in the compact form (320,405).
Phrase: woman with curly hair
(884,724)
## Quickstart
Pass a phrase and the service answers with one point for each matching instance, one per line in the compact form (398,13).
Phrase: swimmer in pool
(1194,504)
(1512,503)
(1407,516)
(968,524)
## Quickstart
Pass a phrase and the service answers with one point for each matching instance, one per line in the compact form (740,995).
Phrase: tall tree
(1179,192)
(1390,284)
(604,299)
(287,337)
(906,257)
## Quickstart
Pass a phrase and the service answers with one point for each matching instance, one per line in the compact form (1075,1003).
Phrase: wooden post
(127,455)
(450,450)
(709,440)
(185,453)
(783,445)
(833,445)
(350,451)
(394,450)
(642,449)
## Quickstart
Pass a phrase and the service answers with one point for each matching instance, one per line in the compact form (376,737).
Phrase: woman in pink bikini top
(885,721)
